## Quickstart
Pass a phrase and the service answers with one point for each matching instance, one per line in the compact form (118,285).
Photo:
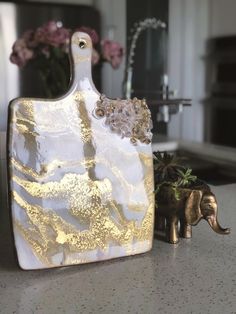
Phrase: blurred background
(193,57)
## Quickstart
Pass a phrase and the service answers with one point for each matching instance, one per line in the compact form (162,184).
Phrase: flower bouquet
(46,49)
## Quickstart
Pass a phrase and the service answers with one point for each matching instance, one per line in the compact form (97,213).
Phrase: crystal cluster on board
(129,118)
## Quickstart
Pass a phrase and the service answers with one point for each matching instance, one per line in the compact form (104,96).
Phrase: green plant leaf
(169,171)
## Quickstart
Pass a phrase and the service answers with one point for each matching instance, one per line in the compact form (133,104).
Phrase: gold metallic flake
(50,233)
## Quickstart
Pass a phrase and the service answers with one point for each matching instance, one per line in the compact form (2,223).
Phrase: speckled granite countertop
(196,276)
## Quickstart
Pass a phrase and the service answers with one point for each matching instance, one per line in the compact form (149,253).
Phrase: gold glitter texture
(89,201)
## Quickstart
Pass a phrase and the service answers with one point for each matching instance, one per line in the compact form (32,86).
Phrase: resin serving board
(79,191)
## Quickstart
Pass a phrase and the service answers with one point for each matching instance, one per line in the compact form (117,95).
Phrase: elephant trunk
(213,222)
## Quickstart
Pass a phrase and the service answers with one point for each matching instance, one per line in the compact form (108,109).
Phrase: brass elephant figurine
(176,217)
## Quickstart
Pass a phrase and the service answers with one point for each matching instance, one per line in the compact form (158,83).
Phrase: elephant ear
(192,207)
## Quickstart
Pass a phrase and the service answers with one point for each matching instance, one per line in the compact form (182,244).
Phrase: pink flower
(91,32)
(20,53)
(112,52)
(95,57)
(52,33)
(41,43)
(29,37)
(41,33)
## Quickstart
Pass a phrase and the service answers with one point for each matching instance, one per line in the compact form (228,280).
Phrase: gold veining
(45,169)
(78,59)
(62,117)
(48,170)
(85,125)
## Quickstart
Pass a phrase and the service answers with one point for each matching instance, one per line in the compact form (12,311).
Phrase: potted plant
(182,200)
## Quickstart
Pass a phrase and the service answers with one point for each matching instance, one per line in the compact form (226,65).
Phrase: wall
(113,18)
(188,31)
(222,17)
(191,23)
(8,71)
(86,2)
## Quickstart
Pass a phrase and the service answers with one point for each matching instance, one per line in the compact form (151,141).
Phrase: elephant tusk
(216,227)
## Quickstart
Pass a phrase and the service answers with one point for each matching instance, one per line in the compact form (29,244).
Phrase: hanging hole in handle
(82,43)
